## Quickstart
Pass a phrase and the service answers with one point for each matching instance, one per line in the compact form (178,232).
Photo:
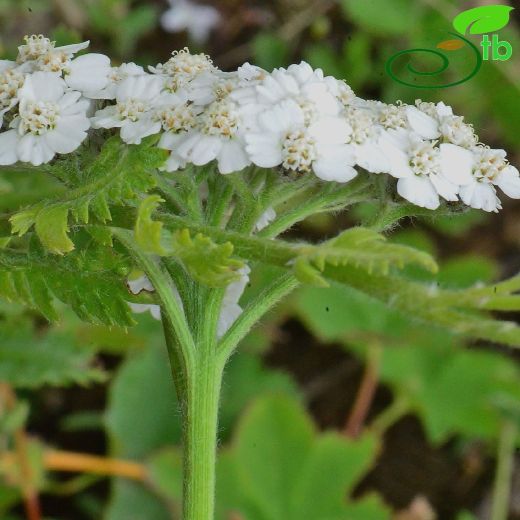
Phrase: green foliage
(116,176)
(91,281)
(270,51)
(430,375)
(30,360)
(398,18)
(279,467)
(136,428)
(207,262)
(359,247)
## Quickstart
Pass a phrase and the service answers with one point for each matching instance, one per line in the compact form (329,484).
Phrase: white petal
(508,180)
(335,164)
(134,132)
(371,157)
(330,130)
(232,157)
(456,164)
(64,138)
(419,191)
(282,117)
(140,284)
(139,308)
(398,161)
(265,150)
(42,86)
(480,195)
(446,189)
(34,149)
(89,73)
(8,143)
(205,150)
(107,117)
(422,123)
(73,48)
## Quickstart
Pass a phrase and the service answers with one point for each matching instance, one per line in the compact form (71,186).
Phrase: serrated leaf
(358,247)
(53,358)
(483,19)
(51,227)
(280,467)
(147,231)
(92,282)
(209,263)
(119,173)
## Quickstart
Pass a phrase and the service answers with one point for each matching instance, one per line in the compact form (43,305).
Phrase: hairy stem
(200,411)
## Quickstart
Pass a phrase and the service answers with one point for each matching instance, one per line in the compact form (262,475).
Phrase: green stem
(504,471)
(200,411)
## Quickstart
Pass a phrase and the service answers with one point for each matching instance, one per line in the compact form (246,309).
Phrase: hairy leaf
(358,247)
(30,360)
(92,282)
(148,231)
(209,263)
(118,174)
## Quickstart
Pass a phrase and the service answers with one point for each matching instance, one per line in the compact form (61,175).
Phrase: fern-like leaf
(207,262)
(53,358)
(358,247)
(117,175)
(92,282)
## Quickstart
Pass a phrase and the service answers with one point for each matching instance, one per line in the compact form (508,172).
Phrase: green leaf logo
(481,20)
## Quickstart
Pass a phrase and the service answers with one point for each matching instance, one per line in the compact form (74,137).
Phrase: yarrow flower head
(294,119)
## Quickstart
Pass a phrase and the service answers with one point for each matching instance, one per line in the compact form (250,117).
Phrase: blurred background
(425,418)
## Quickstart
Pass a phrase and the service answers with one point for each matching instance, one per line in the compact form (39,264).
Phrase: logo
(478,21)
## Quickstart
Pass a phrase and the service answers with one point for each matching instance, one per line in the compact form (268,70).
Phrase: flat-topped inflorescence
(295,119)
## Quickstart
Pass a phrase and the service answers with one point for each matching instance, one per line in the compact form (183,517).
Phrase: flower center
(424,158)
(393,116)
(182,62)
(489,164)
(131,109)
(177,118)
(53,61)
(457,132)
(10,82)
(38,117)
(221,119)
(362,125)
(35,46)
(427,107)
(298,151)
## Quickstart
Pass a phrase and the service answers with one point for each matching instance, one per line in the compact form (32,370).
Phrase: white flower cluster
(295,119)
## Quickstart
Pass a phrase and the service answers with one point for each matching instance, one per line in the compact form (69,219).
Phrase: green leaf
(358,247)
(132,500)
(483,19)
(279,467)
(136,428)
(147,231)
(246,379)
(474,383)
(30,360)
(118,174)
(92,281)
(209,263)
